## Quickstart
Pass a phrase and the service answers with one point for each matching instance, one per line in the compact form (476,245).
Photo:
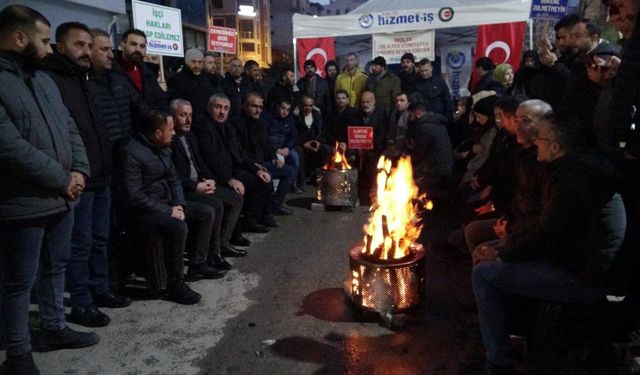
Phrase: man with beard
(233,86)
(193,84)
(408,75)
(199,185)
(283,89)
(227,160)
(343,117)
(253,136)
(398,120)
(87,271)
(131,62)
(351,80)
(331,75)
(316,87)
(211,68)
(384,84)
(43,174)
(252,81)
(375,118)
(312,148)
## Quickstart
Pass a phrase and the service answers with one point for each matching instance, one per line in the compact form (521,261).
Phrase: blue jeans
(294,161)
(494,281)
(35,250)
(286,175)
(88,268)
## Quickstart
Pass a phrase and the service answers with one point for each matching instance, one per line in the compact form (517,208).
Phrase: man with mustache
(131,62)
(44,167)
(69,67)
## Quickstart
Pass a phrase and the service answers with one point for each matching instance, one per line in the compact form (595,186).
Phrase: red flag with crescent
(319,50)
(502,43)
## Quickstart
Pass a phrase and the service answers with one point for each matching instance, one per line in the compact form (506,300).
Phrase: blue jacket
(282,131)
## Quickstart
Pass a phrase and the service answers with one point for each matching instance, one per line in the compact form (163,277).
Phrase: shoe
(295,189)
(239,240)
(269,221)
(232,252)
(65,338)
(204,271)
(111,299)
(20,365)
(179,292)
(282,210)
(257,228)
(88,316)
(218,262)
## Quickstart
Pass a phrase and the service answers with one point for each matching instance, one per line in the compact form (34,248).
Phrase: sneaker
(65,338)
(88,316)
(20,365)
(111,299)
(179,292)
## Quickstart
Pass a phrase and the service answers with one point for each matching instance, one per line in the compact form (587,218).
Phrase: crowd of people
(105,170)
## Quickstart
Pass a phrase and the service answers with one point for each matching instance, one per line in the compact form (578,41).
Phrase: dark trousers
(88,268)
(33,250)
(257,196)
(311,160)
(218,208)
(200,220)
(286,175)
(232,202)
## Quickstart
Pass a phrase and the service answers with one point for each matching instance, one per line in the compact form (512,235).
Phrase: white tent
(391,16)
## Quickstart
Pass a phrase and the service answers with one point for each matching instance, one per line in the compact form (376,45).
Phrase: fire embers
(337,182)
(338,161)
(394,224)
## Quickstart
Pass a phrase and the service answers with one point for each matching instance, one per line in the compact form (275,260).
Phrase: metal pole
(222,63)
(531,34)
(295,57)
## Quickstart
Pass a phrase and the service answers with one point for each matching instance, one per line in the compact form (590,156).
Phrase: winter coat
(253,137)
(182,165)
(80,95)
(385,88)
(408,82)
(149,180)
(339,124)
(282,131)
(39,144)
(436,95)
(236,92)
(353,84)
(319,92)
(316,131)
(432,154)
(379,121)
(152,93)
(197,89)
(279,92)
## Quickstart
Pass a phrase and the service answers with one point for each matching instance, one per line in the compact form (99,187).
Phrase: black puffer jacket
(152,94)
(120,105)
(79,95)
(148,179)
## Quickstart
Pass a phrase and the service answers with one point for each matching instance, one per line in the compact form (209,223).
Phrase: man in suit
(199,185)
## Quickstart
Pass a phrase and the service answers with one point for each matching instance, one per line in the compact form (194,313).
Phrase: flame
(394,224)
(339,161)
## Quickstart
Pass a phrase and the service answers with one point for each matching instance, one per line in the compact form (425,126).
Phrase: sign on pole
(393,46)
(222,39)
(162,25)
(360,137)
(549,9)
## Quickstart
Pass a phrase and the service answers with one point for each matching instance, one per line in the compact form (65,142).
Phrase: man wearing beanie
(385,85)
(408,75)
(193,84)
(316,87)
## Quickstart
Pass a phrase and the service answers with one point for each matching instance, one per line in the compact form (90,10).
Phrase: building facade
(281,13)
(338,7)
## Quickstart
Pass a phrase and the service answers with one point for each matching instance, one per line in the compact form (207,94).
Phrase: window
(217,4)
(248,47)
(337,12)
(246,25)
(218,22)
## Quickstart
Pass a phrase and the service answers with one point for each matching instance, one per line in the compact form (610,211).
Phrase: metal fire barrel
(387,286)
(337,187)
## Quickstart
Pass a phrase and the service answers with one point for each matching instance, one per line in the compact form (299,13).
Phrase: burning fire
(394,224)
(339,161)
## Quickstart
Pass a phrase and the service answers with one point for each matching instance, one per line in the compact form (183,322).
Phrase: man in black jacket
(408,75)
(130,62)
(44,166)
(434,90)
(194,84)
(156,207)
(199,185)
(565,255)
(316,87)
(283,89)
(231,165)
(233,86)
(87,271)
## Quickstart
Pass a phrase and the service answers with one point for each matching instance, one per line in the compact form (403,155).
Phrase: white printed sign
(162,25)
(393,46)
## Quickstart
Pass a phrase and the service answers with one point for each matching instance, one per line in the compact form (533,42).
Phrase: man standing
(232,86)
(343,117)
(199,185)
(331,75)
(398,120)
(375,118)
(283,89)
(434,90)
(484,69)
(131,62)
(384,84)
(351,80)
(193,83)
(87,271)
(227,160)
(315,86)
(44,170)
(408,76)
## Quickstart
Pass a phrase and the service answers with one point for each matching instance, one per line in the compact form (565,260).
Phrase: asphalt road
(282,310)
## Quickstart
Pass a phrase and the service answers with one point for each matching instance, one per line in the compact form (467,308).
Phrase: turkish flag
(319,50)
(502,43)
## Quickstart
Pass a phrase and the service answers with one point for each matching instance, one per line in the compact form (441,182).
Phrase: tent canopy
(385,16)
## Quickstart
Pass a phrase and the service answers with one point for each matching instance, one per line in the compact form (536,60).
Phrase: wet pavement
(283,310)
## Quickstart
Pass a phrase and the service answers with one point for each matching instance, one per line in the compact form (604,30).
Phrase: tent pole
(295,58)
(531,34)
